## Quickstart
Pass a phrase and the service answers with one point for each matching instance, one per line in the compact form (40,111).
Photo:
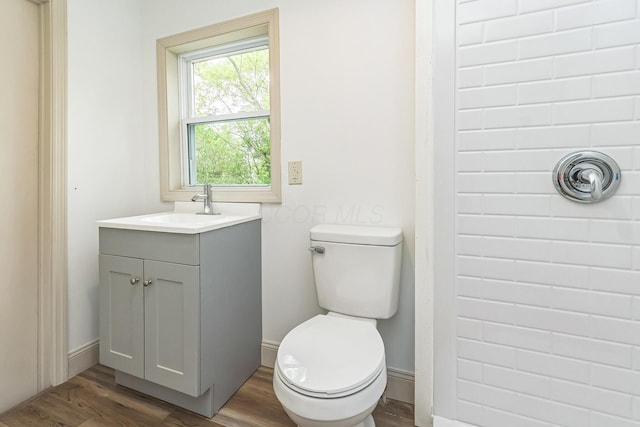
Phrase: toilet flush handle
(317,249)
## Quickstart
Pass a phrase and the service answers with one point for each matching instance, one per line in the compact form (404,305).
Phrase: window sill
(225,194)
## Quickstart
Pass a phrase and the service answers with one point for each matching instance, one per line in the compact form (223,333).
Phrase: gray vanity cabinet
(122,314)
(151,320)
(180,314)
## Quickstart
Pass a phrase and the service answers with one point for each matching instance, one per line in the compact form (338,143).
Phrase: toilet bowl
(330,371)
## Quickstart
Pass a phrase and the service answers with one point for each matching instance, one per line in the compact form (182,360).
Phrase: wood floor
(92,399)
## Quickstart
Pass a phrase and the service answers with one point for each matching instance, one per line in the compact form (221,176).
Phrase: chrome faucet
(207,198)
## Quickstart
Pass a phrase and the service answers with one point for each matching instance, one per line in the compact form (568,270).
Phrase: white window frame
(173,114)
(188,117)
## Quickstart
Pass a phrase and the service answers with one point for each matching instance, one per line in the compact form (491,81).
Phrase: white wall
(105,156)
(347,114)
(547,303)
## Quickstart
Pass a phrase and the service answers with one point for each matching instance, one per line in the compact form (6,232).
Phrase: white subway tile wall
(548,291)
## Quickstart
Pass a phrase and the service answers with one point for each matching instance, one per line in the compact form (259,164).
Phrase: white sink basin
(186,222)
(185,219)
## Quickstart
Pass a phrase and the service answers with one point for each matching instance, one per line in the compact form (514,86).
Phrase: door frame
(435,227)
(52,195)
(424,214)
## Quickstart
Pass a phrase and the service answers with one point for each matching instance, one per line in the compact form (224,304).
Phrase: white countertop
(185,220)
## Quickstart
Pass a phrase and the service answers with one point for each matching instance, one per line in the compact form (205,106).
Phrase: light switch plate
(295,172)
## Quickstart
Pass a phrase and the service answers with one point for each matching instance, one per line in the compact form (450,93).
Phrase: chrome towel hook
(586,176)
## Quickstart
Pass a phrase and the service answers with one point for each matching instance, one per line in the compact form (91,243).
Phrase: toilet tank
(357,269)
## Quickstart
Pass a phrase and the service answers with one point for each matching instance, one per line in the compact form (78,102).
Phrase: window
(219,115)
(225,96)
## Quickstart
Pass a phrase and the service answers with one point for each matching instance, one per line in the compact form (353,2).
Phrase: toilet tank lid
(357,234)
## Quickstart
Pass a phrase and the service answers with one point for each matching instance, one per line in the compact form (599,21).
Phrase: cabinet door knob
(134,280)
(147,282)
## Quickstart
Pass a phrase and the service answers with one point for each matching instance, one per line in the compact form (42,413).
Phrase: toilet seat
(331,356)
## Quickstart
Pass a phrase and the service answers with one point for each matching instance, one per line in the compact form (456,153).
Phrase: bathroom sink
(186,222)
(186,219)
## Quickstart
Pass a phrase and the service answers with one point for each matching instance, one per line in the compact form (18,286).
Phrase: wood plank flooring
(92,399)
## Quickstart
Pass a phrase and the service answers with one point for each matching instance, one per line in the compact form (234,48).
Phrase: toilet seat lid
(331,356)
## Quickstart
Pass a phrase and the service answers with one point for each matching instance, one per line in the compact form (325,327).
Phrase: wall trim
(83,358)
(400,384)
(443,229)
(424,213)
(52,186)
(269,351)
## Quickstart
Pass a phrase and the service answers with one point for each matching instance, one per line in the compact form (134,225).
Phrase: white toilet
(330,370)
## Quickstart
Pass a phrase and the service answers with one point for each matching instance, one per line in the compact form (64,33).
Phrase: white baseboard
(83,358)
(400,384)
(269,353)
(445,422)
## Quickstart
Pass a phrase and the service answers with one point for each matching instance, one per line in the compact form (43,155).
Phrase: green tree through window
(228,131)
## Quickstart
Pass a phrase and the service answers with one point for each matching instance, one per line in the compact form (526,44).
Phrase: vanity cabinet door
(172,325)
(121,314)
